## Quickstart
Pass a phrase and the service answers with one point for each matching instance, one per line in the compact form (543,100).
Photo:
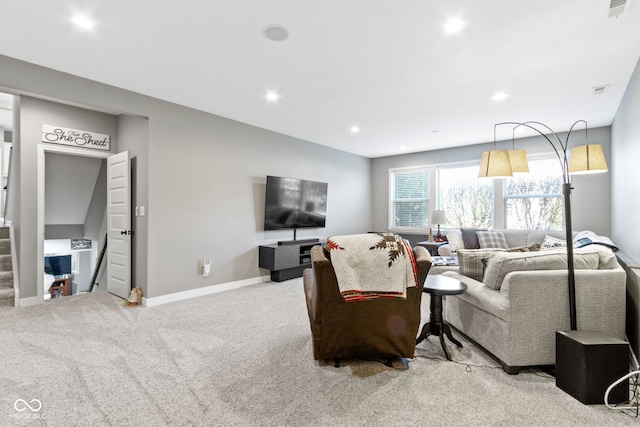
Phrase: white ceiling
(385,66)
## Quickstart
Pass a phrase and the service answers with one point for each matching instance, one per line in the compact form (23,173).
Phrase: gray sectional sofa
(516,301)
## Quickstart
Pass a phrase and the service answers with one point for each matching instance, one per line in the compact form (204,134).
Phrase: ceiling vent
(599,90)
(617,7)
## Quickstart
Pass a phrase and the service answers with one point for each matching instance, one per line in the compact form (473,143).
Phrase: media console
(286,261)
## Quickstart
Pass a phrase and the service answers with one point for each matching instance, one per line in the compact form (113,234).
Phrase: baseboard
(28,302)
(194,293)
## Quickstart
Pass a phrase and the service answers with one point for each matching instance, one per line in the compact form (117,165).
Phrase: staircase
(7,293)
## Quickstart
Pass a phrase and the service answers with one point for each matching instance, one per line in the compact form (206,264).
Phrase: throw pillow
(550,242)
(492,239)
(470,262)
(502,263)
(532,248)
(470,238)
(454,237)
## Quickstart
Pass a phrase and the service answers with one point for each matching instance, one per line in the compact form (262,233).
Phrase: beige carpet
(243,358)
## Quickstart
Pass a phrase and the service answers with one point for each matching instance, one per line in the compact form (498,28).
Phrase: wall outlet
(206,267)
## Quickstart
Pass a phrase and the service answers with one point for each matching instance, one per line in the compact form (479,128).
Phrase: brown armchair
(383,328)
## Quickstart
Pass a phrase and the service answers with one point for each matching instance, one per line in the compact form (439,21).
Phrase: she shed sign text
(75,137)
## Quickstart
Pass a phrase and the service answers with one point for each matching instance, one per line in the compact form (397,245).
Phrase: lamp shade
(586,159)
(518,160)
(495,164)
(438,217)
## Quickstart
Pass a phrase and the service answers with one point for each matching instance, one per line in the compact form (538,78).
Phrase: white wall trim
(14,267)
(200,292)
(28,302)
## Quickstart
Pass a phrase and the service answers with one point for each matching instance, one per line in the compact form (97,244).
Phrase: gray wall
(205,180)
(33,114)
(131,131)
(625,185)
(588,212)
(69,184)
(63,231)
(625,203)
(97,207)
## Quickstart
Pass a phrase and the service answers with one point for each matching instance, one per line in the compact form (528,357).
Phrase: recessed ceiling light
(272,96)
(500,96)
(354,129)
(454,26)
(403,148)
(276,33)
(438,131)
(83,21)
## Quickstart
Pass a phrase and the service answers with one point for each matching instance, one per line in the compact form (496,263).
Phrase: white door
(118,225)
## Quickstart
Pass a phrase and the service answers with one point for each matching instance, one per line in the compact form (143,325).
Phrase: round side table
(437,286)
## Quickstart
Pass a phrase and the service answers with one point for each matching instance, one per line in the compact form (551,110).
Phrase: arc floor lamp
(587,158)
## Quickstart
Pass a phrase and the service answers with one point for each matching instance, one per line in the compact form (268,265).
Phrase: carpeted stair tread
(5,246)
(5,262)
(7,296)
(7,292)
(6,279)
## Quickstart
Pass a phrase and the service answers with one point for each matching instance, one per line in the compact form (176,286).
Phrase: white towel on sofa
(372,266)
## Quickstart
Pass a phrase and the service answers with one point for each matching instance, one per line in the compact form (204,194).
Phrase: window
(466,200)
(410,198)
(533,201)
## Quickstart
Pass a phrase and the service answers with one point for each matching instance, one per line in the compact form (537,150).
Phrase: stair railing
(94,277)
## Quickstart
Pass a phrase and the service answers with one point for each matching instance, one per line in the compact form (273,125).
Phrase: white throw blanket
(372,266)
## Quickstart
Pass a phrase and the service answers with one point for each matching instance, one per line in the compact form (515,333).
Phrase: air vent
(617,7)
(599,90)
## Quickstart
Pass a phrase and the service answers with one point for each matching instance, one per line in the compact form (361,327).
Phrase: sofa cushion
(515,238)
(532,248)
(470,238)
(492,239)
(502,263)
(454,237)
(470,262)
(608,260)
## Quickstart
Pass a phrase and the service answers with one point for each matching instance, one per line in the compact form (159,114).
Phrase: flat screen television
(292,203)
(57,265)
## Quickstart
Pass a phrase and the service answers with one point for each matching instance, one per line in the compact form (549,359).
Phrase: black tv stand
(288,259)
(297,242)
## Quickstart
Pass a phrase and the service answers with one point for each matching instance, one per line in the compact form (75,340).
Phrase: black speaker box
(588,362)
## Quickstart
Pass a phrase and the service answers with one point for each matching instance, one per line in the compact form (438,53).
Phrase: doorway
(57,153)
(75,204)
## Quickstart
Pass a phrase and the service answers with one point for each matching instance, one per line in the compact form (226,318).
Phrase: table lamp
(438,217)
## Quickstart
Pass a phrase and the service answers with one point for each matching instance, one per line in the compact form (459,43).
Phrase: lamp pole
(560,149)
(566,191)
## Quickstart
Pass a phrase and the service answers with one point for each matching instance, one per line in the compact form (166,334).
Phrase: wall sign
(80,244)
(75,137)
